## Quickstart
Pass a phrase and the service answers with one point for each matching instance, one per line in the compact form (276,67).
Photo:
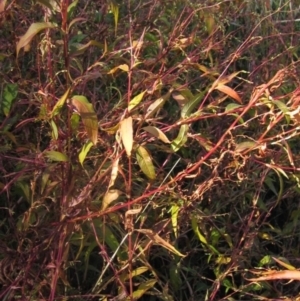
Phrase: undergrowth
(149,150)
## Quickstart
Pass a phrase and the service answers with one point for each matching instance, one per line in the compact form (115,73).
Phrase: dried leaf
(32,31)
(284,264)
(145,162)
(126,132)
(109,197)
(157,104)
(275,275)
(157,133)
(229,91)
(246,145)
(114,172)
(2,5)
(160,241)
(88,115)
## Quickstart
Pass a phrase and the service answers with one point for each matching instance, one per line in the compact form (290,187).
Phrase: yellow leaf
(56,109)
(135,101)
(32,31)
(157,133)
(84,151)
(122,67)
(145,162)
(109,197)
(126,132)
(88,115)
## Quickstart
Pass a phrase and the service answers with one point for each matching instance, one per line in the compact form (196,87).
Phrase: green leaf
(115,10)
(232,106)
(54,129)
(145,162)
(32,31)
(58,106)
(192,104)
(88,115)
(71,8)
(135,101)
(56,156)
(106,234)
(51,4)
(75,121)
(84,151)
(157,133)
(197,231)
(80,49)
(142,289)
(281,106)
(174,218)
(175,279)
(181,139)
(10,93)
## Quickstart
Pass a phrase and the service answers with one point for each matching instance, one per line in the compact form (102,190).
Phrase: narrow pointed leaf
(10,93)
(157,133)
(114,172)
(157,104)
(188,108)
(115,10)
(84,151)
(145,162)
(284,264)
(58,106)
(174,218)
(135,101)
(142,289)
(181,139)
(56,156)
(32,31)
(88,116)
(229,91)
(82,48)
(54,129)
(160,241)
(122,67)
(126,132)
(275,275)
(109,197)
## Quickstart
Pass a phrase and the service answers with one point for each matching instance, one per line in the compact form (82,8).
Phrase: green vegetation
(149,150)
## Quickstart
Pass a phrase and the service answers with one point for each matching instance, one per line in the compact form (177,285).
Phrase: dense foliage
(149,150)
